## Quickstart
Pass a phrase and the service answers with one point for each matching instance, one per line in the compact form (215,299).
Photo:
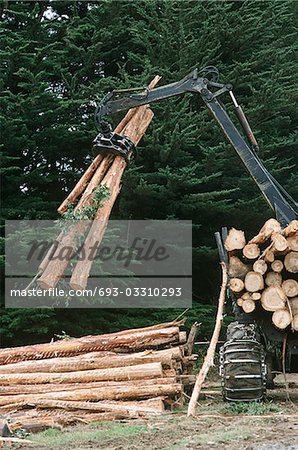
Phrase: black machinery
(251,351)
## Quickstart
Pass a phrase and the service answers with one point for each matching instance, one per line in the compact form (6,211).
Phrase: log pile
(92,198)
(263,271)
(130,374)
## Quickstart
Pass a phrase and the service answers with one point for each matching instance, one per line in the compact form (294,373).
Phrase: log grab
(243,360)
(205,83)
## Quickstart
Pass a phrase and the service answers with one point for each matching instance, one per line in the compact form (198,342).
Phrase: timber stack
(263,271)
(130,374)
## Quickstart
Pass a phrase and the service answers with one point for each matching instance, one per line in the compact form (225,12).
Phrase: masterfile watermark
(44,260)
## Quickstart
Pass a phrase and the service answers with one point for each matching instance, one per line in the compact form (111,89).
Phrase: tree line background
(58,57)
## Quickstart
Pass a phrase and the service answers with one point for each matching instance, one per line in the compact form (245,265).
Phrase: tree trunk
(295,323)
(150,370)
(236,285)
(293,302)
(269,227)
(248,306)
(134,130)
(122,391)
(291,229)
(253,282)
(273,279)
(273,298)
(17,389)
(277,266)
(237,269)
(269,256)
(251,251)
(81,184)
(280,244)
(281,318)
(260,266)
(209,358)
(96,360)
(293,242)
(235,240)
(291,262)
(155,405)
(290,288)
(137,339)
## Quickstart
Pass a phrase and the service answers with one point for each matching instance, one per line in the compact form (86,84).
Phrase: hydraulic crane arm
(209,90)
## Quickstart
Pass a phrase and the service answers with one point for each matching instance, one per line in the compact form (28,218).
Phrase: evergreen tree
(60,57)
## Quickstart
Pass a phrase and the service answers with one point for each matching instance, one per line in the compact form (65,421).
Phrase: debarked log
(150,370)
(96,360)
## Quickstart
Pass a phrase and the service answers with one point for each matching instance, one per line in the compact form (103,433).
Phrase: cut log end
(235,240)
(281,318)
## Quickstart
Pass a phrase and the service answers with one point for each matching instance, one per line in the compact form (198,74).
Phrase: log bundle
(263,272)
(105,172)
(130,374)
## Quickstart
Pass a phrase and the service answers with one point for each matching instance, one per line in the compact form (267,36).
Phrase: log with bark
(137,339)
(105,171)
(96,360)
(97,385)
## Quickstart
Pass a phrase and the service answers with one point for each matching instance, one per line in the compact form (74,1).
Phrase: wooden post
(209,358)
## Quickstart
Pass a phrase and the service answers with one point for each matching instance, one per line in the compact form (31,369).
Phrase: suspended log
(236,285)
(291,262)
(57,266)
(293,242)
(120,392)
(290,288)
(96,360)
(248,306)
(273,298)
(122,341)
(256,296)
(134,129)
(235,240)
(237,269)
(251,251)
(150,370)
(253,282)
(291,229)
(280,243)
(260,266)
(277,266)
(266,231)
(281,318)
(81,184)
(273,279)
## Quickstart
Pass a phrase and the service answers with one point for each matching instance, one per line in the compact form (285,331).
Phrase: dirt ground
(272,425)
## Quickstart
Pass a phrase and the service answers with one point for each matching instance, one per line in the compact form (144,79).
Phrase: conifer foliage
(60,57)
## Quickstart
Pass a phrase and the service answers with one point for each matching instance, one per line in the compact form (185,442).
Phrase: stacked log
(130,374)
(263,271)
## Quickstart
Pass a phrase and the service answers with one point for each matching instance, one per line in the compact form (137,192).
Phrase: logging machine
(252,352)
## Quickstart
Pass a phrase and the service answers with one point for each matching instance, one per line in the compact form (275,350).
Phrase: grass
(252,409)
(96,432)
(220,436)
